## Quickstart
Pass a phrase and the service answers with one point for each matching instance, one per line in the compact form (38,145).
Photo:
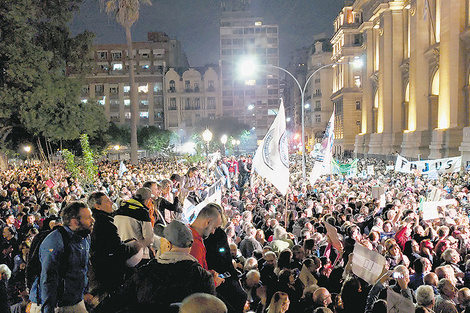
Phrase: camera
(397,275)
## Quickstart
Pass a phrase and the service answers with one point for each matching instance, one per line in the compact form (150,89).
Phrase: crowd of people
(121,245)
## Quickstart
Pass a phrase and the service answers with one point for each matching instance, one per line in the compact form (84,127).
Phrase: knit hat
(177,233)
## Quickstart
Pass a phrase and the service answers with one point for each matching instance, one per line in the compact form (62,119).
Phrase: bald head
(202,303)
(431,279)
(322,297)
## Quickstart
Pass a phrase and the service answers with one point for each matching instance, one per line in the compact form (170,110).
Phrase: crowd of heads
(284,257)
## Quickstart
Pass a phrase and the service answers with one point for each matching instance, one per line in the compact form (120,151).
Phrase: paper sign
(433,175)
(333,235)
(367,264)
(370,170)
(383,201)
(377,191)
(430,208)
(190,211)
(396,303)
(435,194)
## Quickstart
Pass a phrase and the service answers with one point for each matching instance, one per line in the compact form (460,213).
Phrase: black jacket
(108,255)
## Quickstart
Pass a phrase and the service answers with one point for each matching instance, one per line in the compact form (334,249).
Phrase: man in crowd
(64,290)
(133,222)
(108,254)
(169,278)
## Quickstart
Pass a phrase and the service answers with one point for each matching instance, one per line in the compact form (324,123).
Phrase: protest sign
(367,264)
(190,211)
(396,303)
(333,235)
(447,165)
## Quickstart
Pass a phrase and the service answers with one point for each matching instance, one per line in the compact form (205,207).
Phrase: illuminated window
(250,82)
(127,102)
(144,114)
(127,115)
(102,102)
(127,89)
(144,88)
(117,66)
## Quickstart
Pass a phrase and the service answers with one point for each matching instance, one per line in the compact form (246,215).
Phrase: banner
(190,211)
(271,159)
(348,169)
(447,165)
(323,159)
(122,169)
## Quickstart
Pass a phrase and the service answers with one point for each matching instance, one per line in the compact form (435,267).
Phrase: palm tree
(126,13)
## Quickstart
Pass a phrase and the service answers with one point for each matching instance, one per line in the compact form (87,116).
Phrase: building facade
(415,97)
(191,95)
(254,101)
(108,82)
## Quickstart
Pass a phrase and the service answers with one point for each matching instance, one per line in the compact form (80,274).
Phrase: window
(196,87)
(211,86)
(358,105)
(85,90)
(102,102)
(227,103)
(238,93)
(143,88)
(103,55)
(211,103)
(127,102)
(261,30)
(273,101)
(272,41)
(126,89)
(99,88)
(237,42)
(172,86)
(357,81)
(114,89)
(157,87)
(172,105)
(117,66)
(187,85)
(145,66)
(272,50)
(144,102)
(272,91)
(145,55)
(272,81)
(144,114)
(317,118)
(318,92)
(226,42)
(104,67)
(197,103)
(84,100)
(116,55)
(317,105)
(249,31)
(211,116)
(317,80)
(227,93)
(114,103)
(250,41)
(226,52)
(250,93)
(237,31)
(272,30)
(237,51)
(127,115)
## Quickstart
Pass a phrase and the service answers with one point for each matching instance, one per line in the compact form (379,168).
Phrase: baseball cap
(177,233)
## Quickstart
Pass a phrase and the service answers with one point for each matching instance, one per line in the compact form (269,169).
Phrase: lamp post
(236,143)
(248,67)
(223,140)
(207,136)
(27,149)
(117,148)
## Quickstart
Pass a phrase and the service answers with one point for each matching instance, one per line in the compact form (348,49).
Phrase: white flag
(324,156)
(271,159)
(122,169)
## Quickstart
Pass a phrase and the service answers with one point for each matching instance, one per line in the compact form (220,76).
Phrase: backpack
(33,264)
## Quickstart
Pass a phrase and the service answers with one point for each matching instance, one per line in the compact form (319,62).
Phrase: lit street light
(207,136)
(27,149)
(223,140)
(248,67)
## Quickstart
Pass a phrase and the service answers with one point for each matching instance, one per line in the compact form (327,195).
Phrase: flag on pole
(324,156)
(122,169)
(271,159)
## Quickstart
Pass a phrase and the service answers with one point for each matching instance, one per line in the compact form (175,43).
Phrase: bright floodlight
(116,147)
(247,68)
(27,149)
(357,63)
(307,105)
(207,135)
(223,139)
(251,107)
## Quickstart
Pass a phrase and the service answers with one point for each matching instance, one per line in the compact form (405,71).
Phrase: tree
(221,126)
(154,139)
(37,56)
(126,13)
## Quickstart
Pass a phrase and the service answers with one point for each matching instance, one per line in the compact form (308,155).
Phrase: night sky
(195,23)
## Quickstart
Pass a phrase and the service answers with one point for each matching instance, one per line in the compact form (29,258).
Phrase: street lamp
(236,143)
(207,136)
(117,148)
(27,149)
(223,140)
(248,67)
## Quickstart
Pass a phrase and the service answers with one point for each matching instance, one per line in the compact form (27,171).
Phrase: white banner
(271,159)
(190,211)
(324,156)
(396,303)
(447,165)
